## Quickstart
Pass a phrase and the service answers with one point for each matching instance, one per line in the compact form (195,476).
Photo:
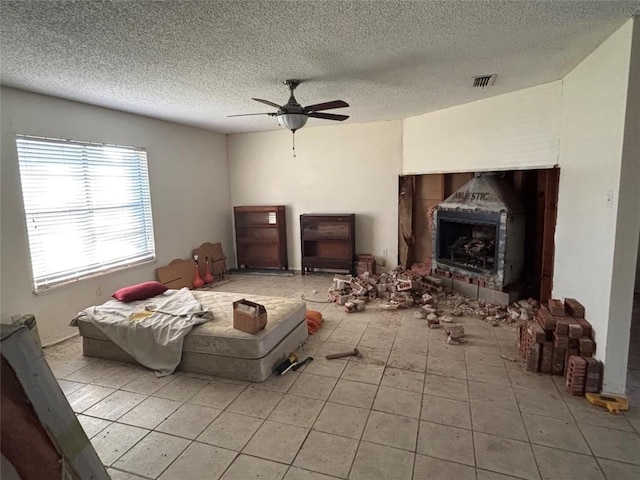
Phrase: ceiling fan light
(292,121)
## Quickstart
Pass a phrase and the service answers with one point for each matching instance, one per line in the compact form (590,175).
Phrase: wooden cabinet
(261,236)
(328,241)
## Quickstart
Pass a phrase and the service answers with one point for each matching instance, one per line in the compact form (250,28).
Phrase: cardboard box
(248,316)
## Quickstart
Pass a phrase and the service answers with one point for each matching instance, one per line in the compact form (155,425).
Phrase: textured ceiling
(196,62)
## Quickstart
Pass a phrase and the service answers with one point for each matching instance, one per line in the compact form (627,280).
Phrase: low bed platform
(215,347)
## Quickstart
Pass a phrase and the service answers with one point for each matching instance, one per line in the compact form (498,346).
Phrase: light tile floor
(412,408)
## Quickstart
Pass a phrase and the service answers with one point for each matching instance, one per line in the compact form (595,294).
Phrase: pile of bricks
(397,289)
(576,375)
(556,339)
(465,278)
(583,375)
(365,263)
(401,288)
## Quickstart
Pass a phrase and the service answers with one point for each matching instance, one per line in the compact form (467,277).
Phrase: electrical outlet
(385,252)
(98,292)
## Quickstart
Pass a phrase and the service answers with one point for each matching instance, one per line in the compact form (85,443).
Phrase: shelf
(309,238)
(258,240)
(327,241)
(255,225)
(261,236)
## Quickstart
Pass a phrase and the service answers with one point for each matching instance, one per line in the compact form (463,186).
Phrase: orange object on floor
(314,321)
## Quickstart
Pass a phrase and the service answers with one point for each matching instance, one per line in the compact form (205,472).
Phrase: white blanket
(152,330)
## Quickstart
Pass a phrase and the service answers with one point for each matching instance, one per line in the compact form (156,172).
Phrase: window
(87,207)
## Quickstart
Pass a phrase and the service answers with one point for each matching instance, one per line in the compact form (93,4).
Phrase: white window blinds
(87,207)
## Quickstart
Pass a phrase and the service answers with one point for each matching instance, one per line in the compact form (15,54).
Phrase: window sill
(67,283)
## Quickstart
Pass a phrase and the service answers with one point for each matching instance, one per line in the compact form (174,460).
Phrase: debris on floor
(356,305)
(613,403)
(314,321)
(352,353)
(433,321)
(401,289)
(455,333)
(287,364)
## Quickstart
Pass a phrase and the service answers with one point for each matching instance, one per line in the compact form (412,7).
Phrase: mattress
(215,347)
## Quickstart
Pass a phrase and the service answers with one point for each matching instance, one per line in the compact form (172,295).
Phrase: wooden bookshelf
(261,236)
(328,241)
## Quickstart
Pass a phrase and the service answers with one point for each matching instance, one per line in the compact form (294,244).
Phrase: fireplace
(480,231)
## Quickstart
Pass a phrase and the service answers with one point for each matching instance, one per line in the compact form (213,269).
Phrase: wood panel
(405,220)
(429,192)
(25,443)
(178,274)
(548,204)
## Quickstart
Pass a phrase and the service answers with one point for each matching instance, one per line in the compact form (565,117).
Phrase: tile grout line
(132,473)
(355,456)
(424,386)
(526,432)
(190,441)
(473,437)
(241,451)
(578,425)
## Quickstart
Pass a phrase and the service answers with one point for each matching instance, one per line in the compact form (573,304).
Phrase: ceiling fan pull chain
(293,136)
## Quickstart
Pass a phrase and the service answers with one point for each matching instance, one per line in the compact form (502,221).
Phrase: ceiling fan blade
(328,116)
(266,102)
(247,114)
(326,106)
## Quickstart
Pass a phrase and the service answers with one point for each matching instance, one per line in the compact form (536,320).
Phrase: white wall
(633,126)
(590,231)
(338,169)
(579,124)
(188,175)
(507,132)
(627,224)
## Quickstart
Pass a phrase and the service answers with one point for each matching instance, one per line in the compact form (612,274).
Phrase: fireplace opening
(495,230)
(479,232)
(468,245)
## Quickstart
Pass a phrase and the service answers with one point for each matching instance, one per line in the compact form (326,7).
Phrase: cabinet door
(326,228)
(256,218)
(258,254)
(257,233)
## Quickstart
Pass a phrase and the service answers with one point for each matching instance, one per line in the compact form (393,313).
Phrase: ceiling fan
(294,116)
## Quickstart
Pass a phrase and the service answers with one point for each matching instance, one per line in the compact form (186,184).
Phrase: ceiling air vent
(484,80)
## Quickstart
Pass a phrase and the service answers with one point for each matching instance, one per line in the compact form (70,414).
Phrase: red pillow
(139,291)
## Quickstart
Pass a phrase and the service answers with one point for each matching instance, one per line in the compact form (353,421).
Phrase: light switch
(609,198)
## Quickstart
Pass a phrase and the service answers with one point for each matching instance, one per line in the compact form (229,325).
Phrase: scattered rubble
(356,305)
(455,333)
(402,289)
